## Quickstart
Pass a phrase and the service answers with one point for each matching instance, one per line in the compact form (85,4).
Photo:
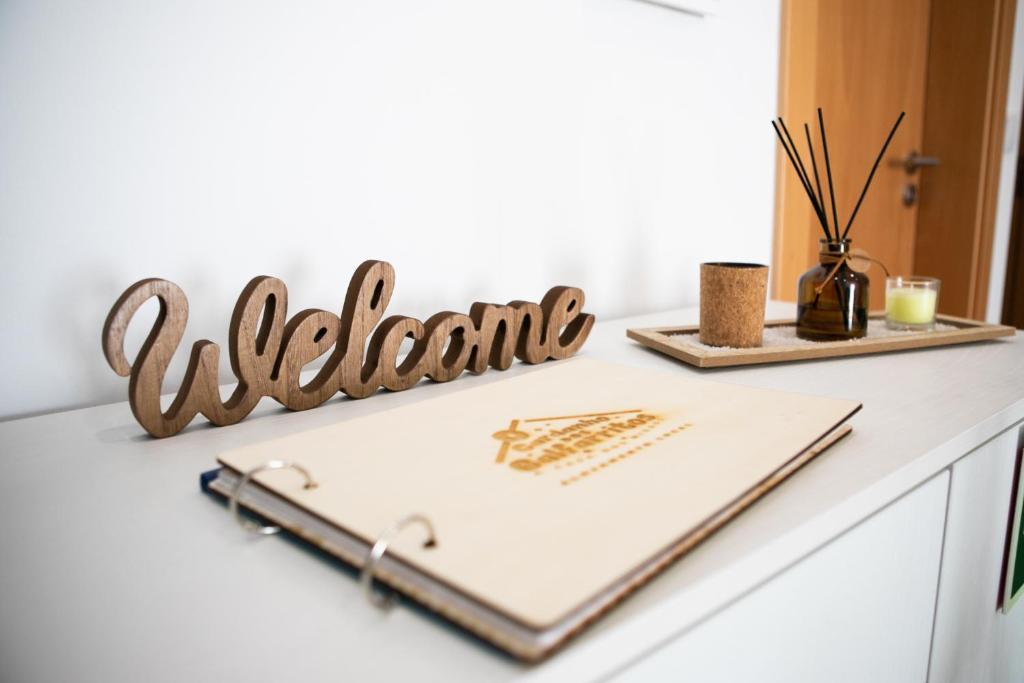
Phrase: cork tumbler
(732,301)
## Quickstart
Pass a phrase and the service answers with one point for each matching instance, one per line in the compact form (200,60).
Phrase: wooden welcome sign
(267,353)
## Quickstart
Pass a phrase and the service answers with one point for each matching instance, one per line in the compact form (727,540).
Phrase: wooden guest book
(552,495)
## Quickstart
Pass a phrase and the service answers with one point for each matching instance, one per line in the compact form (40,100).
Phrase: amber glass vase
(832,302)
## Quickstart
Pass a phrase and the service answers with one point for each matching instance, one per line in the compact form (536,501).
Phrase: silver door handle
(915,161)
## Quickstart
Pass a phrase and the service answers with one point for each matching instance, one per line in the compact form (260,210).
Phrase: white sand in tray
(785,336)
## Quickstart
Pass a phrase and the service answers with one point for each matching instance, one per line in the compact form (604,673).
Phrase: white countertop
(116,567)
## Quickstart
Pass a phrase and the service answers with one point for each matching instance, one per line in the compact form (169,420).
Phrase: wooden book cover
(550,491)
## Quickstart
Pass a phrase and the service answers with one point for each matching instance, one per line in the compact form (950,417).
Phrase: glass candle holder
(911,302)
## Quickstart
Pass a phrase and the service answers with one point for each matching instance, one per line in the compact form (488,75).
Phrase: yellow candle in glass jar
(910,303)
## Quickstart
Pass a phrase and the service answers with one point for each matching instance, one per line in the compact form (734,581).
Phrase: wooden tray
(660,339)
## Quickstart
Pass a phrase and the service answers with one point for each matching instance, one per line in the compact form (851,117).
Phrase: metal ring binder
(380,600)
(247,524)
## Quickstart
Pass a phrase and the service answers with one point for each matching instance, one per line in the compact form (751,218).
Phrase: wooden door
(968,71)
(863,63)
(945,63)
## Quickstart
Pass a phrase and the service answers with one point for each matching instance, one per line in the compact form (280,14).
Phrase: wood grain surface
(659,339)
(267,353)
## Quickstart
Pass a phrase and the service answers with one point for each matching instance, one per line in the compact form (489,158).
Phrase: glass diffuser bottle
(832,298)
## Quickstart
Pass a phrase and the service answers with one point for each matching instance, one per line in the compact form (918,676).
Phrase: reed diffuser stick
(819,207)
(804,183)
(814,165)
(796,153)
(872,174)
(828,171)
(821,201)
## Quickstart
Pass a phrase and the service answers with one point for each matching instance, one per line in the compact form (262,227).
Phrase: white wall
(487,149)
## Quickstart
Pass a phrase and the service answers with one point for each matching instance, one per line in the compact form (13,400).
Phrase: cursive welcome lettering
(268,351)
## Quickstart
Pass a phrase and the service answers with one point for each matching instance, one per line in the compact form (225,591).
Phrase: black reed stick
(789,153)
(814,165)
(818,212)
(819,206)
(796,153)
(828,170)
(803,182)
(872,174)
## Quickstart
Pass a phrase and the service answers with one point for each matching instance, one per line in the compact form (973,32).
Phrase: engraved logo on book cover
(576,447)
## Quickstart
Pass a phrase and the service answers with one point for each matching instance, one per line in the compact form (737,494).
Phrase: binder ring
(381,600)
(248,524)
